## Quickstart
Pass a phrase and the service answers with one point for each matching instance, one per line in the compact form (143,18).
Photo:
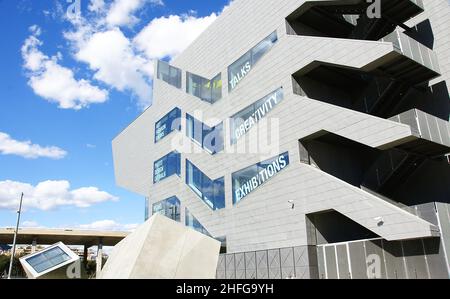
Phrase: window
(167,124)
(240,179)
(263,47)
(208,90)
(240,68)
(211,139)
(169,74)
(48,259)
(212,192)
(169,207)
(193,223)
(166,167)
(247,180)
(246,119)
(194,129)
(216,88)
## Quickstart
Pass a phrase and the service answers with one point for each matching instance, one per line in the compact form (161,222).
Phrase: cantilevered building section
(354,177)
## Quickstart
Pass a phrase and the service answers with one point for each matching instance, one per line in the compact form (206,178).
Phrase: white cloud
(169,36)
(96,5)
(54,82)
(123,62)
(122,12)
(35,30)
(126,63)
(108,225)
(49,195)
(111,56)
(27,149)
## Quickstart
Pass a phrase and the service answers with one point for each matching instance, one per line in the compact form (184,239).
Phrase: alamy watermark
(262,139)
(373,266)
(374,9)
(73,11)
(74,270)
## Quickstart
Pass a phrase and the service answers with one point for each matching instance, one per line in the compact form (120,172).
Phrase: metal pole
(15,237)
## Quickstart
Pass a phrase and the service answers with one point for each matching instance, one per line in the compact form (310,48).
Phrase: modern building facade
(310,137)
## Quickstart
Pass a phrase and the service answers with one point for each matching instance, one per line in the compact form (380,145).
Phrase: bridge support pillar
(33,245)
(99,257)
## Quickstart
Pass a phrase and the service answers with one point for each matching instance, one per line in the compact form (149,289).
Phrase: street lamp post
(15,237)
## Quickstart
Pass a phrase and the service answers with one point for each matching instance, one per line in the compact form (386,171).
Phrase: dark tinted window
(193,223)
(169,74)
(212,192)
(208,90)
(169,207)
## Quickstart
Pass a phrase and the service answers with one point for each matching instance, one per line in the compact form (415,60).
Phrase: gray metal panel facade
(287,262)
(435,256)
(321,262)
(230,266)
(443,210)
(250,265)
(264,221)
(300,117)
(342,259)
(375,248)
(380,259)
(358,260)
(331,263)
(274,258)
(415,259)
(240,265)
(395,267)
(280,263)
(262,266)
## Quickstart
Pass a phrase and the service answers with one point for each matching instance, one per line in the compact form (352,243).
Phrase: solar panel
(48,259)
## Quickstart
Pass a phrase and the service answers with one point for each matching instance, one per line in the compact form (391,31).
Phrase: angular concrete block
(163,249)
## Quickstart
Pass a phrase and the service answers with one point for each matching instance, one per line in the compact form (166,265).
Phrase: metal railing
(383,168)
(413,50)
(426,126)
(400,205)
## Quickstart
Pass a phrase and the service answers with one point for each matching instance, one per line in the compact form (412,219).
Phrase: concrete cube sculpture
(163,249)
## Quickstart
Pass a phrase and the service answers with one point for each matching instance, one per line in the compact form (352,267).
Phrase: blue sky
(68,86)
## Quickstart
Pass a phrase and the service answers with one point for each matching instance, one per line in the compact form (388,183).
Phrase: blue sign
(166,167)
(167,124)
(249,179)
